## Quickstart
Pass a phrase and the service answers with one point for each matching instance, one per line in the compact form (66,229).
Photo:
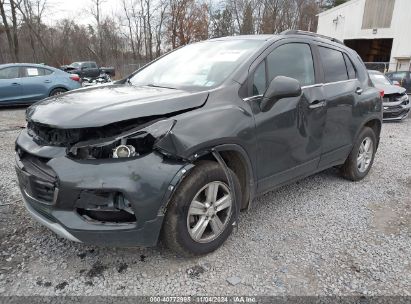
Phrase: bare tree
(11,31)
(95,11)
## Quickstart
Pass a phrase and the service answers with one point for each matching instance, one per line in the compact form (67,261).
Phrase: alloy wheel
(365,154)
(209,212)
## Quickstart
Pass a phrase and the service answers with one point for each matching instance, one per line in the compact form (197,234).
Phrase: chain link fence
(383,67)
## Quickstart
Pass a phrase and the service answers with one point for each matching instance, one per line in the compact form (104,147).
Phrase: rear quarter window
(352,73)
(334,65)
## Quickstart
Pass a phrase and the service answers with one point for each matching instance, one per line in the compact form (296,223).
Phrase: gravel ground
(320,236)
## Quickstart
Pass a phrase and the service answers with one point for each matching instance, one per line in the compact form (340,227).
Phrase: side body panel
(349,105)
(289,136)
(38,87)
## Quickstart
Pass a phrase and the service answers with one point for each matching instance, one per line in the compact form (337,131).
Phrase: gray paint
(290,141)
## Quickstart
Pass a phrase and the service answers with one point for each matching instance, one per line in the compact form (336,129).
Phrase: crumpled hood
(103,105)
(391,89)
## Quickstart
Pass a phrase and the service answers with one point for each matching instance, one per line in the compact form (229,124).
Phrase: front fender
(200,131)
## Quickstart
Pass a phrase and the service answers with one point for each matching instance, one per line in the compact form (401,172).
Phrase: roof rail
(298,32)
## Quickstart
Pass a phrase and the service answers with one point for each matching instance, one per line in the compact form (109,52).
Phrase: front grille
(45,135)
(36,179)
(395,97)
(49,136)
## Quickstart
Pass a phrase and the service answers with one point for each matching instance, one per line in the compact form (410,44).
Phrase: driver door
(289,135)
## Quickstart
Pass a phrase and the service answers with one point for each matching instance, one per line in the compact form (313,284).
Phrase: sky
(77,9)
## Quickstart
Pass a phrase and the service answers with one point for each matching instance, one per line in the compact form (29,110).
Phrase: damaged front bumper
(397,110)
(115,202)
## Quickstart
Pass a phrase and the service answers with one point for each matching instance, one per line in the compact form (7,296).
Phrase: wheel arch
(375,124)
(57,87)
(237,159)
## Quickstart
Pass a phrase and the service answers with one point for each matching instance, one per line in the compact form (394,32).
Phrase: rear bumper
(146,183)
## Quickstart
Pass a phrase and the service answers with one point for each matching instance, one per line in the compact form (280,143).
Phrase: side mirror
(396,83)
(83,68)
(279,88)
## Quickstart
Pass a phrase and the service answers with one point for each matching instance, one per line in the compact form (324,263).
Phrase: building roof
(334,9)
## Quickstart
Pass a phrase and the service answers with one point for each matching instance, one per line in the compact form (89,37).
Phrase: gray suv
(179,148)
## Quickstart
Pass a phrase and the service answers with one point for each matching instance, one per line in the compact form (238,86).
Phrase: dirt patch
(96,270)
(61,285)
(122,267)
(390,220)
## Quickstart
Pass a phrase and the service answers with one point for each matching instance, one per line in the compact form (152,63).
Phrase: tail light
(382,93)
(75,77)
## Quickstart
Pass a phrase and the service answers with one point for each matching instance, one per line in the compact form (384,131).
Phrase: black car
(402,77)
(88,69)
(396,103)
(181,146)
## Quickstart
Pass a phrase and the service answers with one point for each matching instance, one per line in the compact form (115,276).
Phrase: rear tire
(57,91)
(361,158)
(191,207)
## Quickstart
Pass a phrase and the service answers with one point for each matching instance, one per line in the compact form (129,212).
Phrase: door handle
(359,91)
(15,84)
(317,104)
(47,81)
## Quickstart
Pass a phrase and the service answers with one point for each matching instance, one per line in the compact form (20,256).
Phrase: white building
(379,30)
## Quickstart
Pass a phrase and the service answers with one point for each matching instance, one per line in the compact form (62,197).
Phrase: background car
(403,78)
(396,103)
(88,69)
(26,83)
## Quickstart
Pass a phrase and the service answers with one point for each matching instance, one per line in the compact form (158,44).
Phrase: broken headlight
(133,143)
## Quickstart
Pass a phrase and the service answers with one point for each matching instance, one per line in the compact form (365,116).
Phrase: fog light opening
(116,211)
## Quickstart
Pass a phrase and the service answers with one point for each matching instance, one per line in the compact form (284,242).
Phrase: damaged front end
(132,143)
(109,190)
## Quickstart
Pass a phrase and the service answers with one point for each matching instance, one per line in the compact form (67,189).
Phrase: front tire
(361,158)
(201,212)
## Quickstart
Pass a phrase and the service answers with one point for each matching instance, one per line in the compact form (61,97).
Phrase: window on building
(378,14)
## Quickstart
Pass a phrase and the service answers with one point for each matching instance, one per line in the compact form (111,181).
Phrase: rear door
(36,82)
(342,90)
(10,85)
(289,135)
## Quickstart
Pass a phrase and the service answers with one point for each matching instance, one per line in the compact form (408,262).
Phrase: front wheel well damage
(236,162)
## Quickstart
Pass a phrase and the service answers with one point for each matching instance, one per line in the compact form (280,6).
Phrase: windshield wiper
(158,86)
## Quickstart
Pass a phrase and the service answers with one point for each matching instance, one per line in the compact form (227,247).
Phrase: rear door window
(9,73)
(35,72)
(333,65)
(31,72)
(293,60)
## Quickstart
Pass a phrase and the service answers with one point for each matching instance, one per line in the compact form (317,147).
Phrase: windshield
(202,65)
(380,79)
(75,64)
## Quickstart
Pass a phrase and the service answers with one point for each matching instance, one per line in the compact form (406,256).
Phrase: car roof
(34,65)
(284,35)
(246,37)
